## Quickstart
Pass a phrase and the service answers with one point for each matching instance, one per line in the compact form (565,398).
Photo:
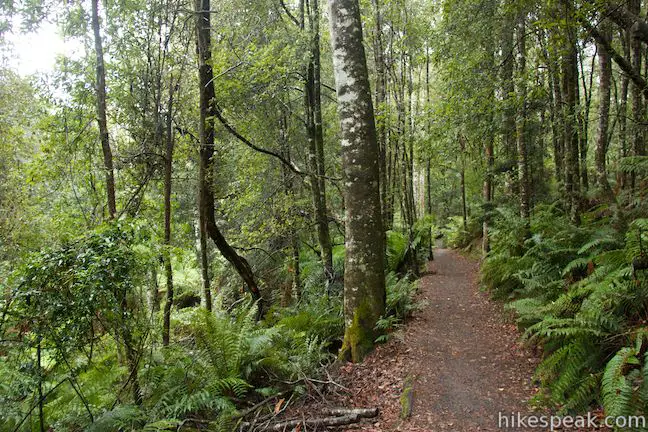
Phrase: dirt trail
(464,356)
(470,366)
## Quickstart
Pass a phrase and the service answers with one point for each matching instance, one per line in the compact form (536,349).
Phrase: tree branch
(627,20)
(247,142)
(290,15)
(623,63)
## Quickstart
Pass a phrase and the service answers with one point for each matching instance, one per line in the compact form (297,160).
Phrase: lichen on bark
(364,279)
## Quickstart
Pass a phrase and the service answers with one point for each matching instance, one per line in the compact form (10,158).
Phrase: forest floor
(461,352)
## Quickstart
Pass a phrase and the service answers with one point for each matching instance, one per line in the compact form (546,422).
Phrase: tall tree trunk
(293,238)
(327,252)
(364,277)
(622,113)
(168,170)
(409,167)
(570,92)
(428,166)
(605,75)
(521,129)
(462,180)
(102,119)
(583,119)
(508,87)
(489,153)
(313,102)
(558,125)
(381,90)
(206,132)
(637,97)
(41,400)
(203,258)
(428,204)
(464,207)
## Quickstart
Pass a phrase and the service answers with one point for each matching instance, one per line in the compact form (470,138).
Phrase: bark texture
(102,119)
(364,278)
(522,153)
(605,74)
(570,92)
(313,109)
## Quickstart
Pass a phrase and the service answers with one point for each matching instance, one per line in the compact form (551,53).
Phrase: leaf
(278,405)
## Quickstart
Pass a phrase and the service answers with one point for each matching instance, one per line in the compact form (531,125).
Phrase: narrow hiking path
(469,365)
(465,359)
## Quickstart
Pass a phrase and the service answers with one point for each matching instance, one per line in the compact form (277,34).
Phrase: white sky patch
(36,52)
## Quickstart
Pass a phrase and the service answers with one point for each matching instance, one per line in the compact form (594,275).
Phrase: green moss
(359,337)
(406,397)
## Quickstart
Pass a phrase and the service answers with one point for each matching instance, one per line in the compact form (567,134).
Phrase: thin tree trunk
(570,91)
(381,78)
(313,108)
(206,131)
(101,113)
(521,130)
(558,126)
(637,96)
(293,238)
(583,119)
(464,207)
(203,255)
(410,140)
(168,170)
(462,181)
(622,115)
(605,74)
(508,88)
(41,402)
(154,302)
(428,166)
(364,278)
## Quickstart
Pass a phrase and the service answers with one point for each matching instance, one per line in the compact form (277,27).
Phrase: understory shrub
(458,236)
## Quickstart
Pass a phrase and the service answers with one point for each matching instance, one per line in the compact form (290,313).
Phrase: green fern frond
(616,388)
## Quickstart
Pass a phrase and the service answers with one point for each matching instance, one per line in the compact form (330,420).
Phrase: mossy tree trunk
(364,277)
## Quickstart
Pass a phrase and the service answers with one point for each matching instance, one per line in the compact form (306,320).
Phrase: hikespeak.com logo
(517,420)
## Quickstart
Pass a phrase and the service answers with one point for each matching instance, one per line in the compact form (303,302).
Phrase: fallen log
(336,417)
(362,412)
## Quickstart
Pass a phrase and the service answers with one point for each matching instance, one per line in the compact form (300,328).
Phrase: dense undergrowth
(79,336)
(581,294)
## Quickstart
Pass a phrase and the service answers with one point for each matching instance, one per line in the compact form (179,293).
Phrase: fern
(123,417)
(616,384)
(634,164)
(575,292)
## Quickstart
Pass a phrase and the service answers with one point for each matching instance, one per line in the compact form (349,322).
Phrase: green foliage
(634,164)
(575,292)
(397,246)
(400,296)
(399,305)
(61,291)
(456,235)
